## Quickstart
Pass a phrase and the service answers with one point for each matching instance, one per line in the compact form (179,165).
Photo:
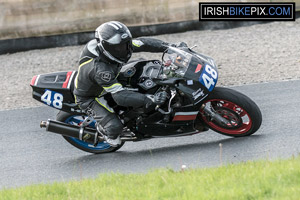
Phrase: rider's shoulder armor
(89,51)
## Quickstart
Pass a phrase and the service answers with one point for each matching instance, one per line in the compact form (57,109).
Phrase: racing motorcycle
(194,103)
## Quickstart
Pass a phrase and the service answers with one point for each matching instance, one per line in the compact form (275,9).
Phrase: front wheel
(102,147)
(243,115)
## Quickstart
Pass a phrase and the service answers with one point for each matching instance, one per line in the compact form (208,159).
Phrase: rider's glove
(182,44)
(157,99)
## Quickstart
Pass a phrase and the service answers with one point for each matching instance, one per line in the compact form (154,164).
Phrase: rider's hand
(157,99)
(182,44)
(160,98)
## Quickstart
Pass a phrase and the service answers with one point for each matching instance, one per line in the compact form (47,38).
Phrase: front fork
(209,111)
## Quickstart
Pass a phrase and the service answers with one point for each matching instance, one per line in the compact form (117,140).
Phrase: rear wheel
(243,115)
(102,147)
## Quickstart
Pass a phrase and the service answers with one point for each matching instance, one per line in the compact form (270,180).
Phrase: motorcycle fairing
(199,72)
(201,79)
(55,90)
(180,120)
(171,129)
(154,127)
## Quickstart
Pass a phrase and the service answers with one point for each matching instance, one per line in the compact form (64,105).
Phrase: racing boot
(113,142)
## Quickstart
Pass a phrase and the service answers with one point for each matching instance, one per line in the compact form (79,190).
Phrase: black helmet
(114,41)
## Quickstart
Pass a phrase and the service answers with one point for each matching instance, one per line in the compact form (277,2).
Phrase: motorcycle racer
(99,66)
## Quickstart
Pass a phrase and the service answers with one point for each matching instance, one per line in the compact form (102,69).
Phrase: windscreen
(176,62)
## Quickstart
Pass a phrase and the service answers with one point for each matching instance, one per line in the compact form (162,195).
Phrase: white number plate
(209,77)
(53,99)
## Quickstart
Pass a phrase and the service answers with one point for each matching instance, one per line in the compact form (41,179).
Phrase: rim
(77,120)
(240,121)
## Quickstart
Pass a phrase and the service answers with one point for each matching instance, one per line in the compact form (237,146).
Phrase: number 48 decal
(209,77)
(53,99)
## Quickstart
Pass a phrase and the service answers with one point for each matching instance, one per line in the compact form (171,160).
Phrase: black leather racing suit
(97,76)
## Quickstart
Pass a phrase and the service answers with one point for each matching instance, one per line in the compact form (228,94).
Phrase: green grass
(251,180)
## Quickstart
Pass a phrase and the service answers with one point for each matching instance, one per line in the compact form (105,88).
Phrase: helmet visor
(120,51)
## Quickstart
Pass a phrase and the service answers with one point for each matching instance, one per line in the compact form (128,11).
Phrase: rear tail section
(55,90)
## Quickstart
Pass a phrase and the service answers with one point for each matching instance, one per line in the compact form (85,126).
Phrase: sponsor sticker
(148,83)
(190,82)
(125,35)
(198,93)
(105,76)
(130,72)
(137,43)
(198,69)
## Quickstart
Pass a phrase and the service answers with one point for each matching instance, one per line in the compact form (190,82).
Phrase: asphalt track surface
(30,155)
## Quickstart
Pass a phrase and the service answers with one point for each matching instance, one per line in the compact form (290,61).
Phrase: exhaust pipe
(85,134)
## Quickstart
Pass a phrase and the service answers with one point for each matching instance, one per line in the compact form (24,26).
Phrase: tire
(102,147)
(244,115)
